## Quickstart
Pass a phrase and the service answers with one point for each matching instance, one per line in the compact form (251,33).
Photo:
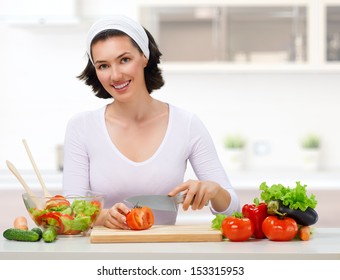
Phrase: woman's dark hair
(152,73)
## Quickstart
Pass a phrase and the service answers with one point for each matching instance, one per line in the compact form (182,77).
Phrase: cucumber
(50,234)
(21,235)
(38,231)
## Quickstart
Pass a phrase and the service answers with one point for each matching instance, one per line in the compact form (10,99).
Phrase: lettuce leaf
(84,207)
(216,223)
(81,223)
(294,198)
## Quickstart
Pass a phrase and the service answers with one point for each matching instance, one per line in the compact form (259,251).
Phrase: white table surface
(325,244)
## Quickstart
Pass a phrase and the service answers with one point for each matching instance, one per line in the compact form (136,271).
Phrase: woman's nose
(116,73)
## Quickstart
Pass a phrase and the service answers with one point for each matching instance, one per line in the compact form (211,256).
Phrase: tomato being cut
(237,228)
(279,228)
(140,218)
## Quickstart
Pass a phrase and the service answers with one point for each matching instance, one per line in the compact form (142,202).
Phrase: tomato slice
(51,219)
(96,203)
(57,198)
(57,203)
(68,231)
(140,218)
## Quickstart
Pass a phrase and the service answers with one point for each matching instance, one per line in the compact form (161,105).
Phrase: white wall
(39,92)
(275,109)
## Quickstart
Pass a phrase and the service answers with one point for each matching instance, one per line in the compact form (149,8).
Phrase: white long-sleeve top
(93,162)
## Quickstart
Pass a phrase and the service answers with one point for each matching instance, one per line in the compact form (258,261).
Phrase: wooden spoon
(20,179)
(46,192)
(38,203)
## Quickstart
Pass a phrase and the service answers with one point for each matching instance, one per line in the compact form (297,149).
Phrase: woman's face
(119,66)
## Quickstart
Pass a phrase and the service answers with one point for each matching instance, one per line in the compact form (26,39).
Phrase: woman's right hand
(115,217)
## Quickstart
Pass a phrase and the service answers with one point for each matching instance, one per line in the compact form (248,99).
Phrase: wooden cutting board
(157,233)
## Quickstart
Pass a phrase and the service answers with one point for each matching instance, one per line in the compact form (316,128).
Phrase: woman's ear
(145,60)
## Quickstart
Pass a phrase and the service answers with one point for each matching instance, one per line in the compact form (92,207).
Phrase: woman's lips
(121,86)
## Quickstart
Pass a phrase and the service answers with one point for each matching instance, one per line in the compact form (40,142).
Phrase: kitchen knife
(158,202)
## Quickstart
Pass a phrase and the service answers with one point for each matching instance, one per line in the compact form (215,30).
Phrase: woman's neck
(137,111)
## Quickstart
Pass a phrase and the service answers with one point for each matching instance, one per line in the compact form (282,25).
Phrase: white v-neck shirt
(93,162)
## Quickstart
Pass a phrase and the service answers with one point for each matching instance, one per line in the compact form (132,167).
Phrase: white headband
(124,24)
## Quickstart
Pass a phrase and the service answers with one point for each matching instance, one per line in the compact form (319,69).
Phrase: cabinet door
(185,33)
(234,34)
(333,33)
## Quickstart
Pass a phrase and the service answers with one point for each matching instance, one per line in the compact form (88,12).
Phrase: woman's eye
(102,66)
(125,60)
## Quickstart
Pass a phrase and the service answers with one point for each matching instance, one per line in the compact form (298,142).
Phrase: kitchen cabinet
(301,35)
(233,34)
(333,33)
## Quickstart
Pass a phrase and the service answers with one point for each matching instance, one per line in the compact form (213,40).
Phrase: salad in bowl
(70,215)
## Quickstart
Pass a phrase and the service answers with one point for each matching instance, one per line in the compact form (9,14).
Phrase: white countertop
(324,245)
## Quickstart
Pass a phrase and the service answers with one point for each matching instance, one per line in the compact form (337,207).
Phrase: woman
(137,145)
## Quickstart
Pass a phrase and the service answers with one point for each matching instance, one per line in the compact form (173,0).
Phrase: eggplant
(304,218)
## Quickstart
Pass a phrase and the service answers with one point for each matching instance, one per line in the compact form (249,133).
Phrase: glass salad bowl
(70,215)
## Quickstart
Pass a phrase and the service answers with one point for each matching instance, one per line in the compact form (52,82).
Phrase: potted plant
(234,145)
(311,152)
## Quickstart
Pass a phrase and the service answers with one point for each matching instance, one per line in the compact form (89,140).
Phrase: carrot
(305,233)
(21,223)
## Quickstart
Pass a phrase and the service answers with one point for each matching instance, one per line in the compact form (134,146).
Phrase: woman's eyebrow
(99,61)
(118,57)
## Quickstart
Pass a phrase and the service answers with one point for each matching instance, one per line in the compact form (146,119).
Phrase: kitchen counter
(324,245)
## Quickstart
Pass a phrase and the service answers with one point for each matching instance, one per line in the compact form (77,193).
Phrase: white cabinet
(233,34)
(299,35)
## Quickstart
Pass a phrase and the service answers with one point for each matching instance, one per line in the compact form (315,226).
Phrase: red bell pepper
(256,212)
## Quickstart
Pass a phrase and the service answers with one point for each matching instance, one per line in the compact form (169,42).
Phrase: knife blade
(158,202)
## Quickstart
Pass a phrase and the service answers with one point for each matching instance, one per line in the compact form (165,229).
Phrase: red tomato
(237,229)
(140,218)
(279,229)
(96,203)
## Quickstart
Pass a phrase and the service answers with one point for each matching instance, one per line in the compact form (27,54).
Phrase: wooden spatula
(37,172)
(16,173)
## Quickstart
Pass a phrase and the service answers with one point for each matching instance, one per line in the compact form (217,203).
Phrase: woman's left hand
(197,193)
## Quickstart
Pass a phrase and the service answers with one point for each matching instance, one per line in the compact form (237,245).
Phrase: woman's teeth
(121,85)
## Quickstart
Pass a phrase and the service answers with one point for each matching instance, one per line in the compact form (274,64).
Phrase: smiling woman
(138,145)
(120,74)
(152,73)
